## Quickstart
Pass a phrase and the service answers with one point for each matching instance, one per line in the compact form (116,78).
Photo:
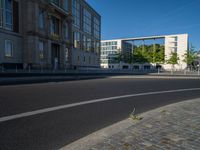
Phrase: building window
(1,13)
(41,50)
(65,5)
(89,60)
(65,29)
(54,26)
(76,13)
(87,21)
(8,48)
(96,28)
(89,44)
(9,14)
(41,19)
(6,14)
(84,42)
(76,36)
(98,47)
(78,58)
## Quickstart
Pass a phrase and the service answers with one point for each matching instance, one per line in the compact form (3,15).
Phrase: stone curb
(45,79)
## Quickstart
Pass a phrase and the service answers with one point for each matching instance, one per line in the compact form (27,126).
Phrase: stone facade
(41,35)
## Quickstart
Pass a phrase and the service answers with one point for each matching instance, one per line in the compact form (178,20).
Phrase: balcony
(59,6)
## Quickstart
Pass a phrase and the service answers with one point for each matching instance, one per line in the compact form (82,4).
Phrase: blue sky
(133,18)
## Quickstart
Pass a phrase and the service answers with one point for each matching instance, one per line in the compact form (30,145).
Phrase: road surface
(49,116)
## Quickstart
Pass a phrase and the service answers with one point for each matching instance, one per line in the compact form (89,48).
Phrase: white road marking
(45,110)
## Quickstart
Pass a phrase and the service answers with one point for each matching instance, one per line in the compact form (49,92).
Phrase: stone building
(40,34)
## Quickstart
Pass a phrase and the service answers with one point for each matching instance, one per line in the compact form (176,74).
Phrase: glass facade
(134,51)
(88,25)
(148,50)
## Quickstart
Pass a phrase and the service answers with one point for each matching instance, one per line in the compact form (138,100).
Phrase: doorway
(55,56)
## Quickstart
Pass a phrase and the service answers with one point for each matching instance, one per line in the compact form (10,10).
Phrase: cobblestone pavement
(173,127)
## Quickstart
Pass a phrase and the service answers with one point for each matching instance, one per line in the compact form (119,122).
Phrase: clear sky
(133,18)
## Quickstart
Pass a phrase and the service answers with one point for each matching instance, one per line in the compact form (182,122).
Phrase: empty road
(51,115)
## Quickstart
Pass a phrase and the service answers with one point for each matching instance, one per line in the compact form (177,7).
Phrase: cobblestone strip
(174,127)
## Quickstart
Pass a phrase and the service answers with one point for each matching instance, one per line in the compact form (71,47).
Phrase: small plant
(135,117)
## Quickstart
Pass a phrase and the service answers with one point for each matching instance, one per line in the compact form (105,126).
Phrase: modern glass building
(144,53)
(112,52)
(86,35)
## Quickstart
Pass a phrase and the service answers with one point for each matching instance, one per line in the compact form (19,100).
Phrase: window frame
(87,21)
(1,13)
(41,15)
(6,49)
(10,11)
(76,12)
(41,51)
(55,30)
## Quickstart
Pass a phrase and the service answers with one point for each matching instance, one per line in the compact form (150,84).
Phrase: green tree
(138,55)
(119,57)
(173,60)
(190,57)
(159,54)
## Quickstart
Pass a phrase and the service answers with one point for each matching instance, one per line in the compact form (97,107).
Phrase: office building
(144,52)
(86,35)
(112,51)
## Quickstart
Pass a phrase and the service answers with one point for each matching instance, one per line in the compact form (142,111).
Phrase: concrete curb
(155,77)
(99,136)
(44,79)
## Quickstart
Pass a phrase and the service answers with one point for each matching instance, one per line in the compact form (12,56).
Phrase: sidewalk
(176,126)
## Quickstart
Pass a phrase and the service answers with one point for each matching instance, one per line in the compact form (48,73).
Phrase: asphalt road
(52,130)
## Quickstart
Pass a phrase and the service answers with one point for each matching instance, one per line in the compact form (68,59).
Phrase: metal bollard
(185,72)
(158,71)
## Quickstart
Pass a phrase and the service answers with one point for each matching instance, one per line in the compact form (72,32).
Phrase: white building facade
(165,45)
(110,51)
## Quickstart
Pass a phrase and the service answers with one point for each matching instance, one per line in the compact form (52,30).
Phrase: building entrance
(55,56)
